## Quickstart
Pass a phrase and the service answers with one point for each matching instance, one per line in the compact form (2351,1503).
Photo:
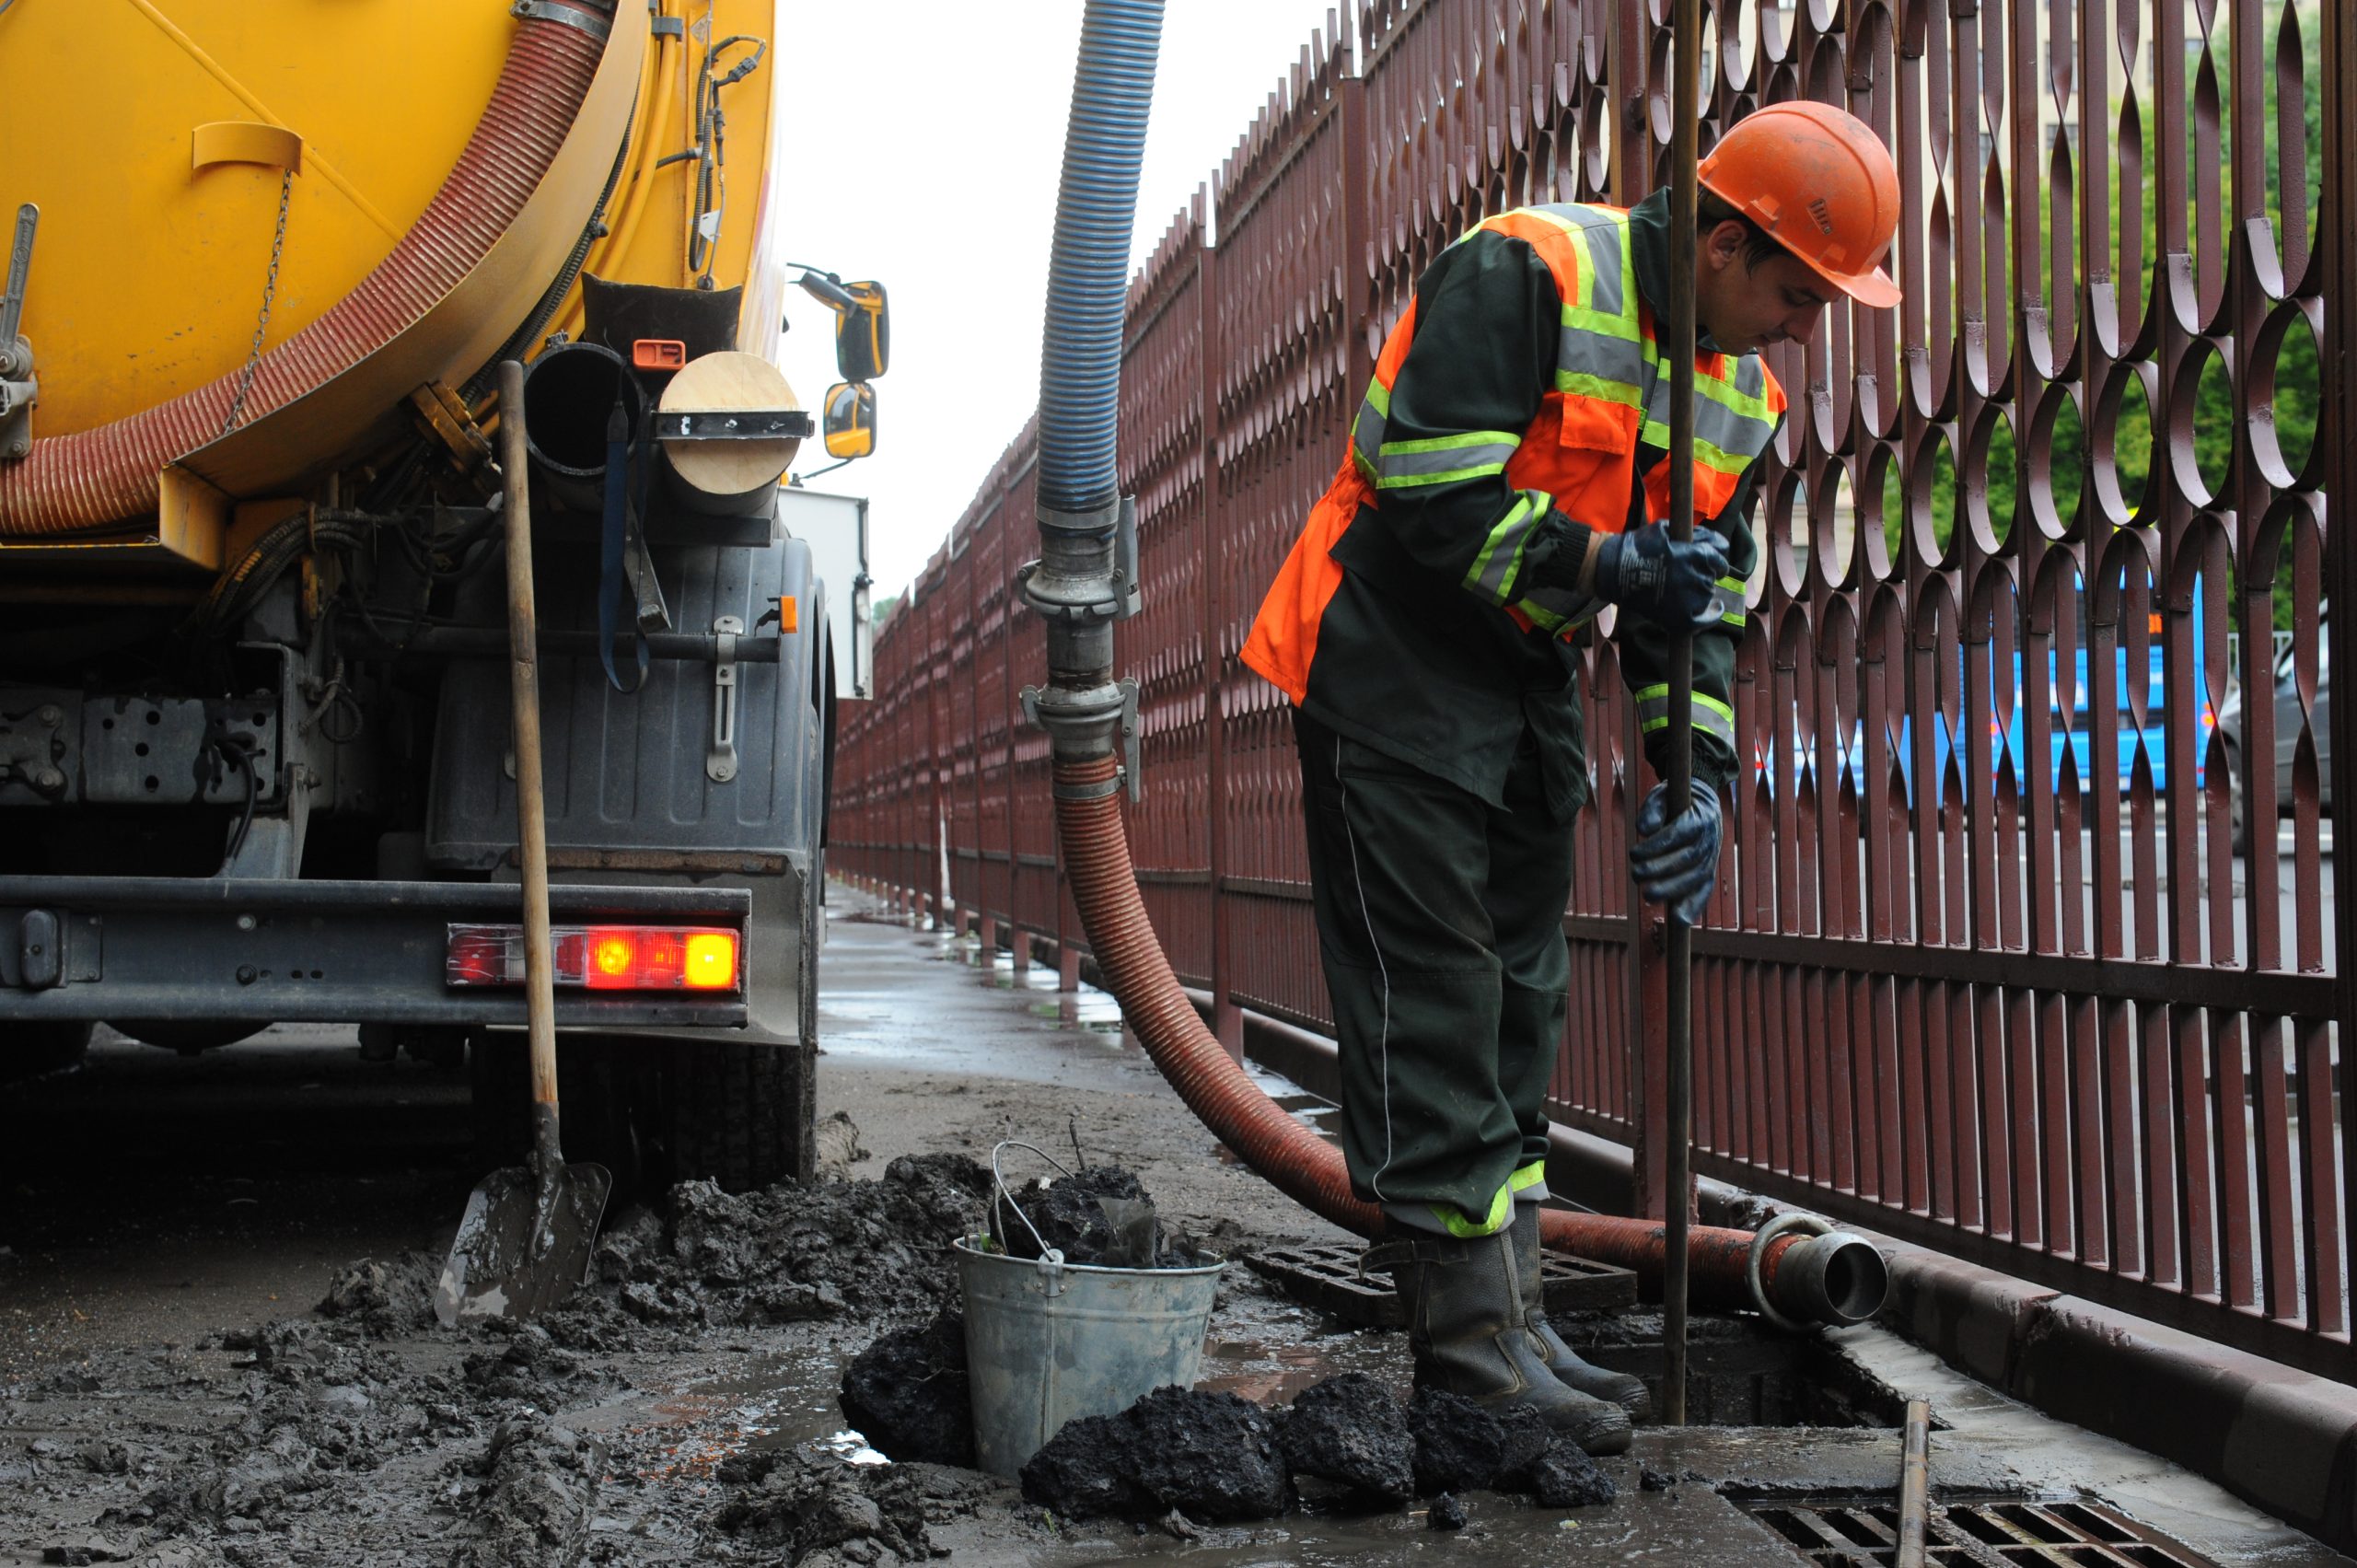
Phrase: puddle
(772,1400)
(1311,1110)
(1272,1372)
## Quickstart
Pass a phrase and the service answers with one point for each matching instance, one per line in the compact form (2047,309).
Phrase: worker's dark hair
(1711,211)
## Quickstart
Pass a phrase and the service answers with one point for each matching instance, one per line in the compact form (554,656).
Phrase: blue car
(2069,731)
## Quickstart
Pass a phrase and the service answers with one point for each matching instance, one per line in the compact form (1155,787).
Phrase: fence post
(1227,1017)
(2336,433)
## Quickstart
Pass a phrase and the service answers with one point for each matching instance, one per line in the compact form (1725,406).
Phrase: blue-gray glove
(1667,583)
(1676,863)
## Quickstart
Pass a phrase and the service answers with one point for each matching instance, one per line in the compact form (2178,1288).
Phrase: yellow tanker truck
(255,754)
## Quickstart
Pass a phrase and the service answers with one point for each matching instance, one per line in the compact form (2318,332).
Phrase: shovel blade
(499,1266)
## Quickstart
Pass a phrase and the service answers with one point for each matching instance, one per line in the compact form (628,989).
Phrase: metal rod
(1915,1485)
(489,642)
(1678,348)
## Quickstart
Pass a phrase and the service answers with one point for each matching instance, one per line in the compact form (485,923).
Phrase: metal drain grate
(1996,1533)
(1328,1277)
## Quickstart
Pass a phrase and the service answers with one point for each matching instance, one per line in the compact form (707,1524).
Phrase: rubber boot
(1468,1332)
(1597,1382)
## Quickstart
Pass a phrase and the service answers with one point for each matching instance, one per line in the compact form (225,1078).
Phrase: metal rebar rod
(1678,349)
(1915,1485)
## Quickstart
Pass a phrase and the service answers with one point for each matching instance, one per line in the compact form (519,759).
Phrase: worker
(1504,482)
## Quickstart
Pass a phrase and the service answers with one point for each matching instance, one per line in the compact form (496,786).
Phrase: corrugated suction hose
(95,477)
(1813,1278)
(1088,270)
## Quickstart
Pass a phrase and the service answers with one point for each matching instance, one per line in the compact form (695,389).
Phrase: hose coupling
(1084,724)
(1089,566)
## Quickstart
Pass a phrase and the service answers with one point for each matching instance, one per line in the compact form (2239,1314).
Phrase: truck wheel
(737,1112)
(35,1049)
(730,1112)
(594,1102)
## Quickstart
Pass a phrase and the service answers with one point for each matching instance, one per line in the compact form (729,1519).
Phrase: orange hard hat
(1821,184)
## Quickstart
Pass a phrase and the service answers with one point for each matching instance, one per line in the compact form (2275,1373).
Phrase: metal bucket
(1047,1341)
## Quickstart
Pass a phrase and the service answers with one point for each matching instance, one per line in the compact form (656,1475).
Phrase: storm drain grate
(1328,1277)
(1996,1533)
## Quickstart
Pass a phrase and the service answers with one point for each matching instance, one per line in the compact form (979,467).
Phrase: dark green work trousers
(1440,921)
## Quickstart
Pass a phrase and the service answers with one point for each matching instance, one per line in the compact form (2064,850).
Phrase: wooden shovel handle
(524,676)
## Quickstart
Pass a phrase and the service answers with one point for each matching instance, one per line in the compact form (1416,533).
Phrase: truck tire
(595,1097)
(739,1112)
(35,1049)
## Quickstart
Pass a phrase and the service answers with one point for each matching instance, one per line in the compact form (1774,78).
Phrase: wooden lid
(720,382)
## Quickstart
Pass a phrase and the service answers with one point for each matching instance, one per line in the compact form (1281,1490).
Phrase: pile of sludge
(1210,1456)
(1216,1458)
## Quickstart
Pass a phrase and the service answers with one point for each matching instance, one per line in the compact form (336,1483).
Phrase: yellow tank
(269,230)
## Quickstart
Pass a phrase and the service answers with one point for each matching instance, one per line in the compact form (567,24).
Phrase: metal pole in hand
(1678,348)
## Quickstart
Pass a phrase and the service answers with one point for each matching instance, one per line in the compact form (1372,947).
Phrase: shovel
(524,1240)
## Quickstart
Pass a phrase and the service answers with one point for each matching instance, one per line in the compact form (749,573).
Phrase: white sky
(925,154)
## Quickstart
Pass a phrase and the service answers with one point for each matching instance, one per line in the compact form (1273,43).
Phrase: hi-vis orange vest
(1580,450)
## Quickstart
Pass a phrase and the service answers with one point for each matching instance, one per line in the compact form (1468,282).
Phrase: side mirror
(863,333)
(850,423)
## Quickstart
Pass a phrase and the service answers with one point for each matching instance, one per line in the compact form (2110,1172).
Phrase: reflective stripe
(1727,598)
(1599,347)
(1366,431)
(1500,562)
(1501,1210)
(1527,1176)
(1558,610)
(1440,459)
(1710,715)
(1730,426)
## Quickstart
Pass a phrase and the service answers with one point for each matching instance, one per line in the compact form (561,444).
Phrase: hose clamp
(1105,591)
(1795,1222)
(597,24)
(1078,721)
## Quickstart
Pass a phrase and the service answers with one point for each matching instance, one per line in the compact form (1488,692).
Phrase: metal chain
(269,292)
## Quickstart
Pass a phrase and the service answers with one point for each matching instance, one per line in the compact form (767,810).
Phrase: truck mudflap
(100,947)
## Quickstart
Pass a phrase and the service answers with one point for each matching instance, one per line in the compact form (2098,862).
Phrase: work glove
(1677,862)
(1667,583)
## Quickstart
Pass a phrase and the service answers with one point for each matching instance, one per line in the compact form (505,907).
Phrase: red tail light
(601,957)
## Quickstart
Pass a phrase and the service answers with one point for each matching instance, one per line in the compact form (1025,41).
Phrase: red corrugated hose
(94,476)
(1840,1281)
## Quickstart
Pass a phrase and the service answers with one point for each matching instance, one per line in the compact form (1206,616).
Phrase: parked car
(2069,731)
(2287,736)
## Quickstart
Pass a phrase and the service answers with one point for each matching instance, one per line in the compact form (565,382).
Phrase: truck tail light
(600,957)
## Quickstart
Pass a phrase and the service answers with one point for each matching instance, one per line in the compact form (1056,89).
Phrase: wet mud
(1348,1431)
(908,1394)
(1208,1456)
(1100,1215)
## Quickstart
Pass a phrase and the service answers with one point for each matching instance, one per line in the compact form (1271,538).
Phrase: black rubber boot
(1618,1387)
(1468,1332)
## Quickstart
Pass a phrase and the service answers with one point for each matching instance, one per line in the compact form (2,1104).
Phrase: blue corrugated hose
(1080,362)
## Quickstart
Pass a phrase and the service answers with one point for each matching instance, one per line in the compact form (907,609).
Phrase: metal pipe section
(1078,587)
(1915,1485)
(568,392)
(1679,1131)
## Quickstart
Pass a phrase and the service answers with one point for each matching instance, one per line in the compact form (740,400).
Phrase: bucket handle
(1051,1259)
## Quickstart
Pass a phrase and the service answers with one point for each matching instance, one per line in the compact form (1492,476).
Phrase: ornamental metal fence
(1987,968)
